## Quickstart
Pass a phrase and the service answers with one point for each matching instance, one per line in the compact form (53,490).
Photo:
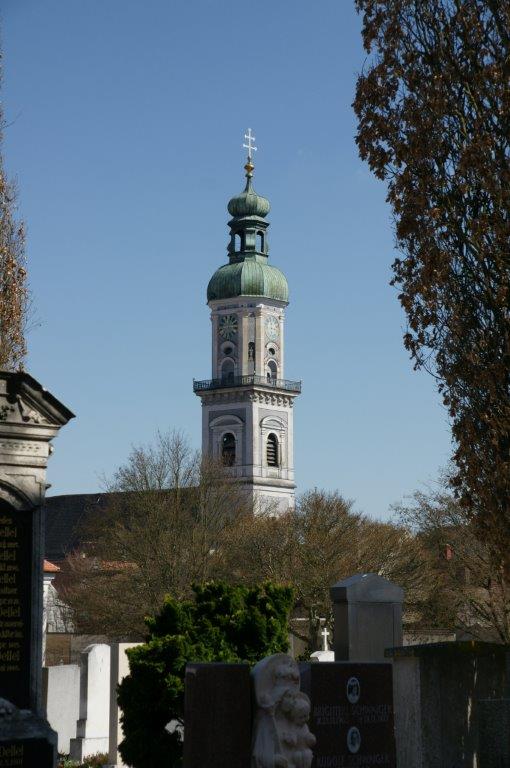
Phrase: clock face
(272,328)
(228,326)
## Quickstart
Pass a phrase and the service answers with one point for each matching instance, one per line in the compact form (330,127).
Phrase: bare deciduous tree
(159,534)
(472,582)
(320,542)
(13,276)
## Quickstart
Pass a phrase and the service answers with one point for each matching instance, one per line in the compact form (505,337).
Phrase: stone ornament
(281,738)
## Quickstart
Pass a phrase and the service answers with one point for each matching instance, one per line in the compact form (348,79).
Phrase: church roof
(248,278)
(50,567)
(65,518)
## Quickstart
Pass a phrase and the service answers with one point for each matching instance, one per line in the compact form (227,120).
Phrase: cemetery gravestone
(16,615)
(217,716)
(352,714)
(119,668)
(61,694)
(92,728)
(26,741)
(367,611)
(30,417)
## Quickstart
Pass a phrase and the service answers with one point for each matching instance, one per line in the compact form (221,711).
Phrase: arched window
(272,450)
(238,242)
(272,371)
(228,449)
(260,242)
(227,370)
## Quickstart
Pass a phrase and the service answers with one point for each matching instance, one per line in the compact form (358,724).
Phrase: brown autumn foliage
(13,277)
(317,544)
(473,586)
(433,109)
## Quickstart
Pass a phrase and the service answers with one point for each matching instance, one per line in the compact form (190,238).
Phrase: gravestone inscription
(26,740)
(352,714)
(15,604)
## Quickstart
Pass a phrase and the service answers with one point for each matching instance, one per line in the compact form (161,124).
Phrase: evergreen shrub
(228,623)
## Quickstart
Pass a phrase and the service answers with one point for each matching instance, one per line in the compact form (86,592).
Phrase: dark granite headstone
(16,614)
(217,716)
(26,740)
(352,714)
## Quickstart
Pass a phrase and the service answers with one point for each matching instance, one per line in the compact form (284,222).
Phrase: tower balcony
(246,381)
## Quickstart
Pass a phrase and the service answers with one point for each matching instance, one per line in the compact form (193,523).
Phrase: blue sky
(125,129)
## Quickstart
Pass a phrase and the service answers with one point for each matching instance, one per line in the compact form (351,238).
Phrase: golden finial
(250,138)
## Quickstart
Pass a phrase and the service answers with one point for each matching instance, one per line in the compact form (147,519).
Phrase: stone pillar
(30,417)
(367,612)
(119,668)
(92,728)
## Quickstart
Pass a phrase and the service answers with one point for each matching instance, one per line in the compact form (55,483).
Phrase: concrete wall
(61,699)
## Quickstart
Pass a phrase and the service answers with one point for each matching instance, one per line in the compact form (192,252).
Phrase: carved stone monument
(233,719)
(30,417)
(281,737)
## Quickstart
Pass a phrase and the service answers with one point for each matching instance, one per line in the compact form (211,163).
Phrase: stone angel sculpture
(281,737)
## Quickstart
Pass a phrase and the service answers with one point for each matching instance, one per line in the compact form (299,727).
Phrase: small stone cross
(250,147)
(325,635)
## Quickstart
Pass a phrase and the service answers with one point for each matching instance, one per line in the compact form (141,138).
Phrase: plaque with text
(32,753)
(15,606)
(352,714)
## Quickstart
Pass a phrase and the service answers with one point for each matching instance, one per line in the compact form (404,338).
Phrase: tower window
(227,370)
(238,241)
(272,450)
(228,449)
(272,371)
(260,242)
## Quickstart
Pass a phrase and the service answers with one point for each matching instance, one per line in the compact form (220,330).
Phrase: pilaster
(259,342)
(214,361)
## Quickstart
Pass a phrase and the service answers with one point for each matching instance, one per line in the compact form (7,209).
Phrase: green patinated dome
(248,272)
(248,278)
(248,203)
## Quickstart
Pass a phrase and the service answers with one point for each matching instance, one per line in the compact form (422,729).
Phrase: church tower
(247,417)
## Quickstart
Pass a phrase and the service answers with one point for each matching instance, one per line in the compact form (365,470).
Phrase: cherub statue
(296,740)
(281,737)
